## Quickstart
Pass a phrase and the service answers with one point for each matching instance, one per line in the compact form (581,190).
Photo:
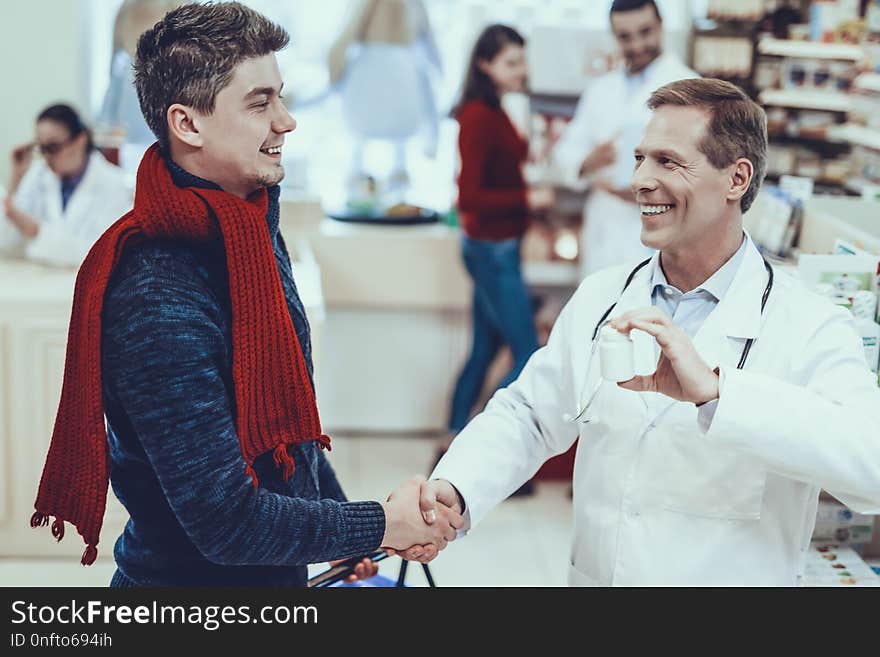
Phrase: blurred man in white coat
(595,151)
(751,393)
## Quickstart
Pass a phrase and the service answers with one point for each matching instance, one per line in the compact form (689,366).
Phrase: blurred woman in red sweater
(494,204)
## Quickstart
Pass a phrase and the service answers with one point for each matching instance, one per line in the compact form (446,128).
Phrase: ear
(483,65)
(183,125)
(741,174)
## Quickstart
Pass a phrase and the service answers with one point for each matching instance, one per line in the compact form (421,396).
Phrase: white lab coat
(102,196)
(656,500)
(611,109)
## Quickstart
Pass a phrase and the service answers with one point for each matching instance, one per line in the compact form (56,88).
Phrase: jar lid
(611,334)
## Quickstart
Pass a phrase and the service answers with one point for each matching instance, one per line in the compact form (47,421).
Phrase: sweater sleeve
(163,358)
(475,141)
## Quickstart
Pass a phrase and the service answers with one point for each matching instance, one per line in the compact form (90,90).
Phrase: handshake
(421,517)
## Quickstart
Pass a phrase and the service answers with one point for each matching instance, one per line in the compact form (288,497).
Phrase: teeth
(272,151)
(655,209)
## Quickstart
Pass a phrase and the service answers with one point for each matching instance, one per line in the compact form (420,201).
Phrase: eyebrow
(263,91)
(663,152)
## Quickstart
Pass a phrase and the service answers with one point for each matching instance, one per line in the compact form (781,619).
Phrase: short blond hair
(737,125)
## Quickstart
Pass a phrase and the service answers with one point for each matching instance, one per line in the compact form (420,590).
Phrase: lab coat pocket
(686,473)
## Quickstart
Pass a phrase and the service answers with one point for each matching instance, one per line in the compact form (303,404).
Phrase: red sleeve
(475,138)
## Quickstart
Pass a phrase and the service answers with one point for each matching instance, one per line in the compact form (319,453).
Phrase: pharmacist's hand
(439,502)
(365,569)
(540,198)
(623,193)
(681,373)
(8,207)
(20,158)
(405,527)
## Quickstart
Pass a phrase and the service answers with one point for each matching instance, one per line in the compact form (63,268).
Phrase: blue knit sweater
(166,363)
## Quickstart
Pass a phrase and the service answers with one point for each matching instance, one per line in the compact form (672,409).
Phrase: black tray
(425,217)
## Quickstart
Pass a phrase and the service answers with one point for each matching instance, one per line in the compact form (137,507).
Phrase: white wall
(44,58)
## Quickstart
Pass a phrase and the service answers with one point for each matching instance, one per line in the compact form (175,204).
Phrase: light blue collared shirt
(689,310)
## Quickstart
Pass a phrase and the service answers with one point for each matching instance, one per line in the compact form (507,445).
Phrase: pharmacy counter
(397,326)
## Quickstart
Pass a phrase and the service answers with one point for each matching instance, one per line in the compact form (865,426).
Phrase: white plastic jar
(616,355)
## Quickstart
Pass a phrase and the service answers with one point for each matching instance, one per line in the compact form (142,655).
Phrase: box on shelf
(835,522)
(851,281)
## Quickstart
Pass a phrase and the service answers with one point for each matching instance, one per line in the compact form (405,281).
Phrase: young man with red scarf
(188,333)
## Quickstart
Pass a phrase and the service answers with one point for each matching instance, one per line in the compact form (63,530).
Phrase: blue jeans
(502,315)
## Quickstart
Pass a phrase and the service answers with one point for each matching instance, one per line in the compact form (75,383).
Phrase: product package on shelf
(778,222)
(833,564)
(849,280)
(837,523)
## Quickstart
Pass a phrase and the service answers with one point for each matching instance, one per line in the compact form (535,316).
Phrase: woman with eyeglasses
(58,206)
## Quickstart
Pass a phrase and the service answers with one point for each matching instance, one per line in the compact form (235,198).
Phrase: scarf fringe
(284,461)
(58,529)
(38,519)
(249,470)
(89,555)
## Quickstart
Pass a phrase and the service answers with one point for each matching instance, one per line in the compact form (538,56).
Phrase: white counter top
(30,283)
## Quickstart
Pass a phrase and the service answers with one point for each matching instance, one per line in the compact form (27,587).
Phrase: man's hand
(681,373)
(540,198)
(405,526)
(433,492)
(601,156)
(365,569)
(438,490)
(25,224)
(623,193)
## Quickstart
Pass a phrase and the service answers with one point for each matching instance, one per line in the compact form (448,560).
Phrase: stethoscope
(604,320)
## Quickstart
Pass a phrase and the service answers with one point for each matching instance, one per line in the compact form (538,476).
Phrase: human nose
(643,179)
(284,122)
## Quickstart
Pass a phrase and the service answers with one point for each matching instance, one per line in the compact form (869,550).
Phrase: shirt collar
(718,283)
(71,183)
(642,76)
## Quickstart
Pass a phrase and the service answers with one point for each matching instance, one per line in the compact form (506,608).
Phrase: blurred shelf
(832,138)
(551,274)
(858,135)
(868,82)
(820,185)
(810,49)
(829,101)
(863,187)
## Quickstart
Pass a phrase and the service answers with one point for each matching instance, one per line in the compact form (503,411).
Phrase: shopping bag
(336,576)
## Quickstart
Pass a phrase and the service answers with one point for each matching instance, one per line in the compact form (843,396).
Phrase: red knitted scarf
(274,399)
